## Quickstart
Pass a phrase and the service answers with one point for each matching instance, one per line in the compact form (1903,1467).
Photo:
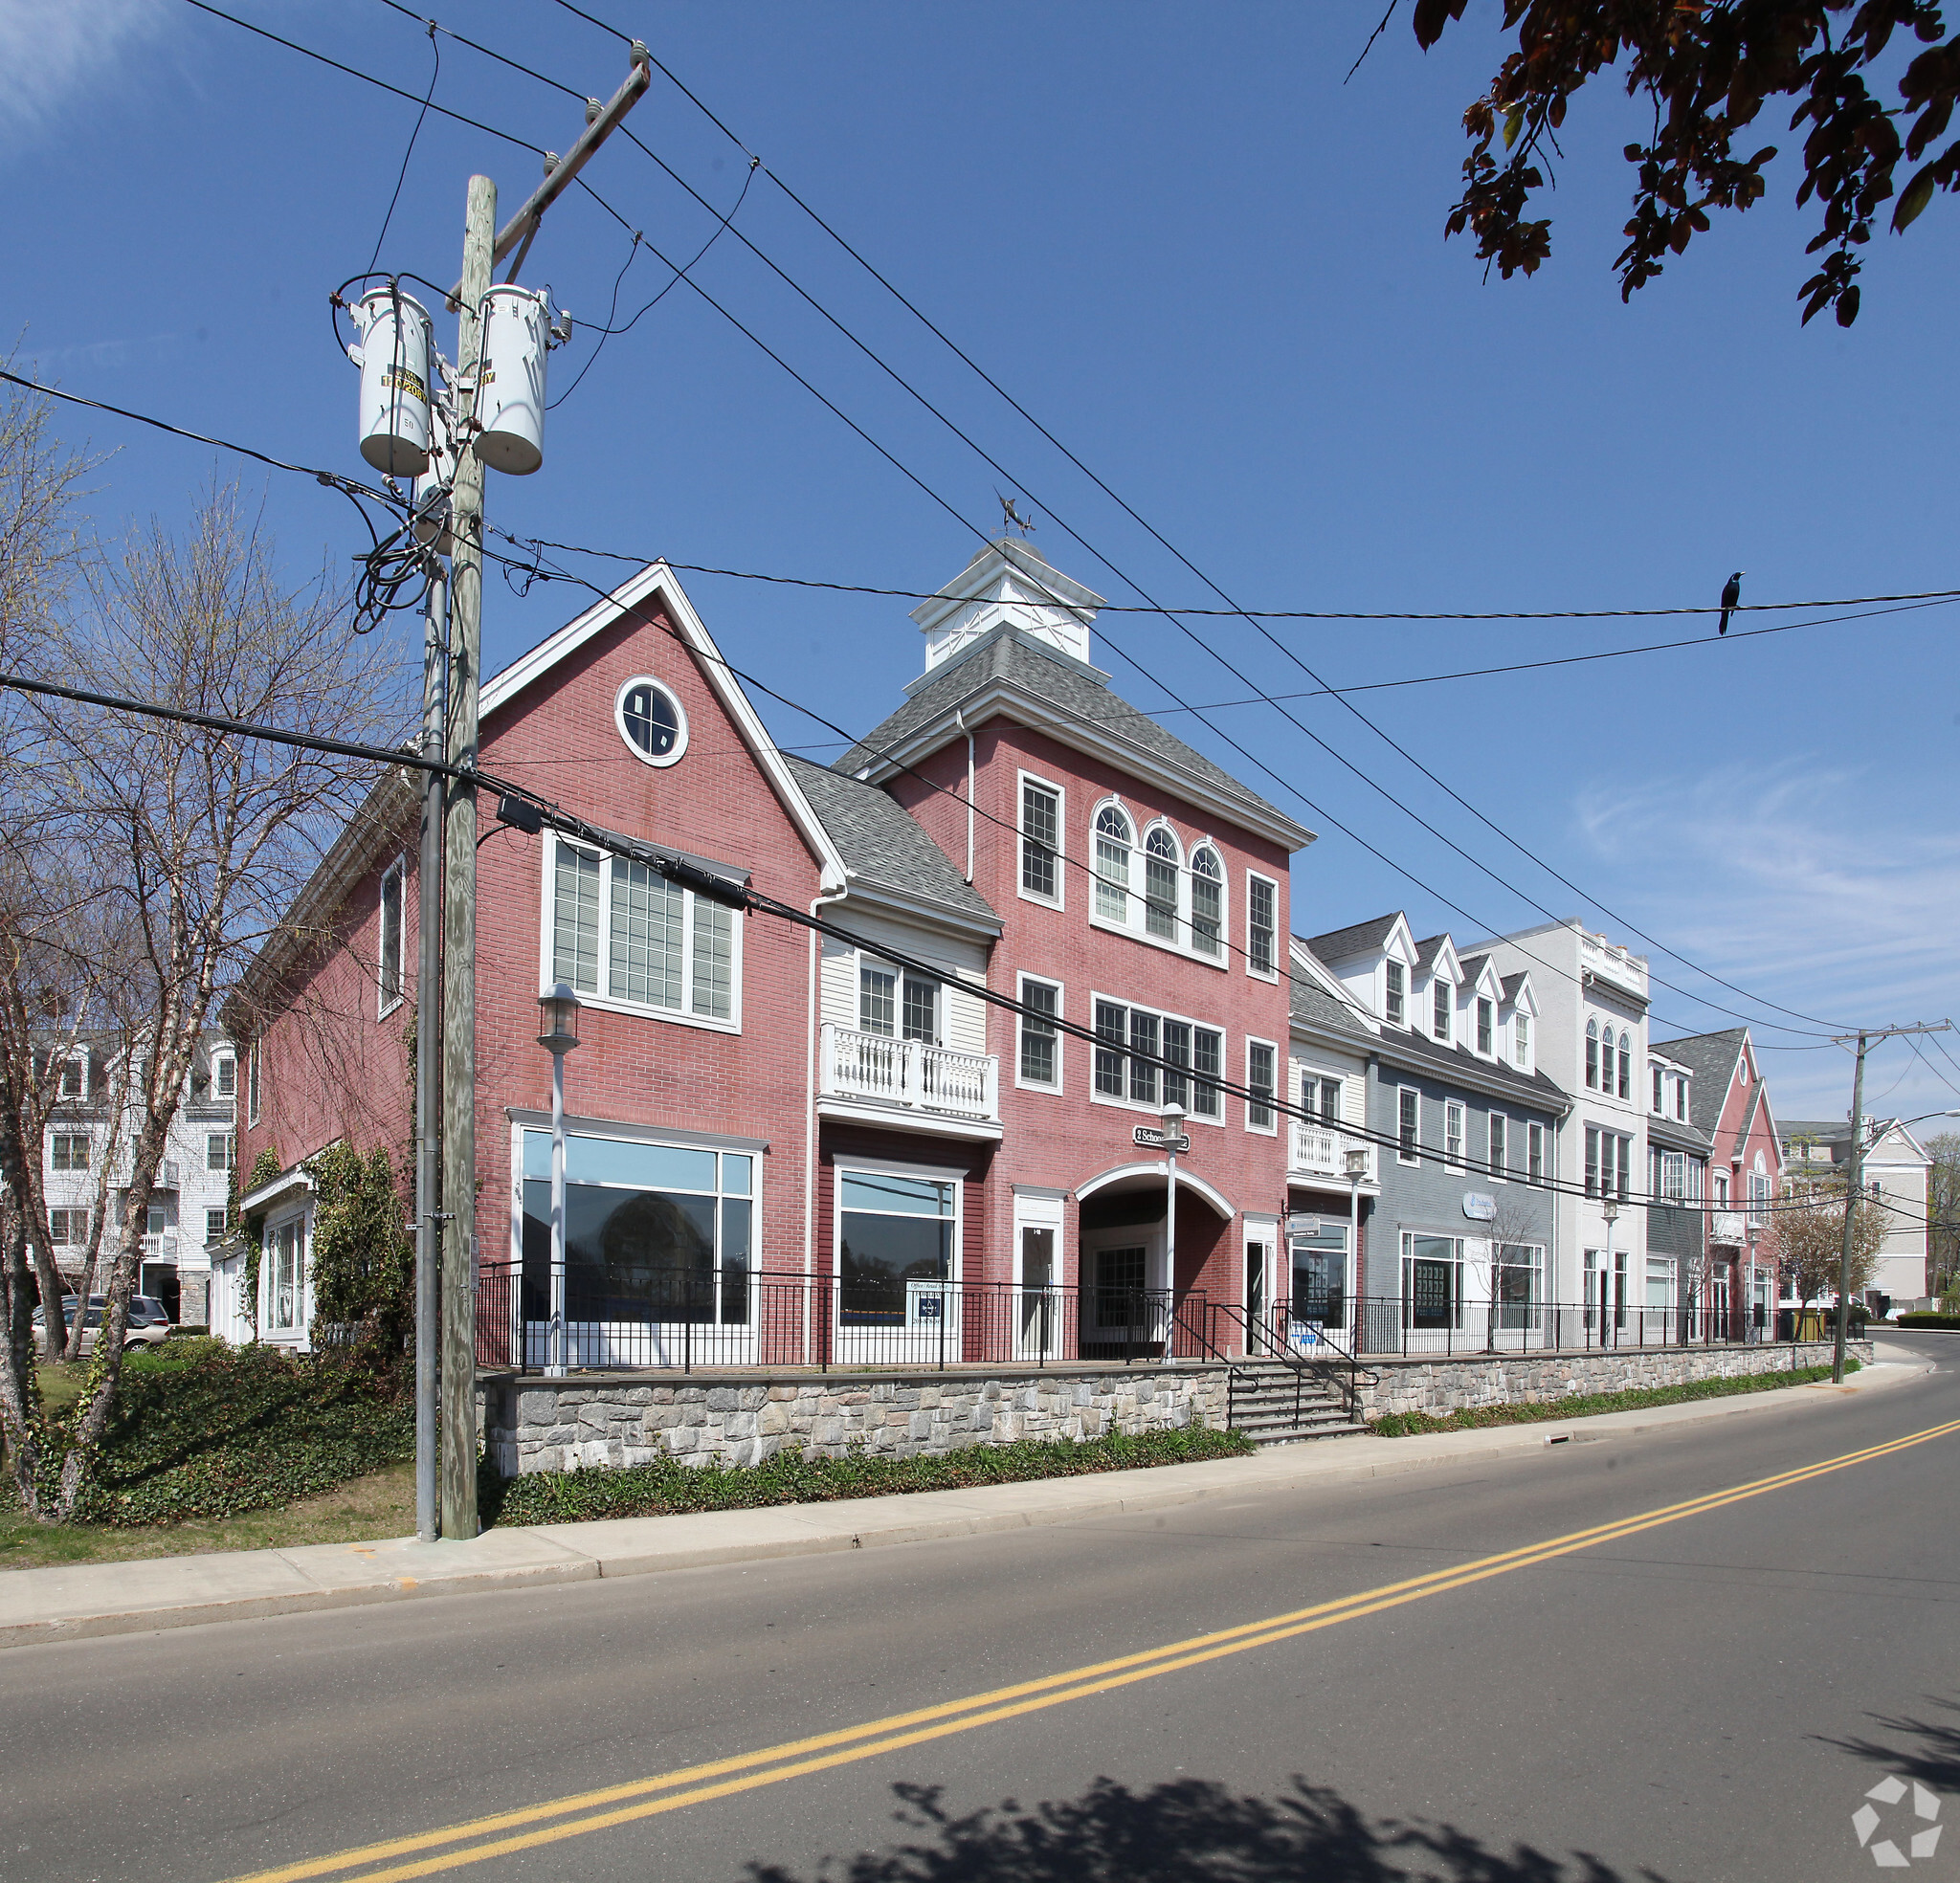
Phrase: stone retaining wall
(1454,1386)
(534,1424)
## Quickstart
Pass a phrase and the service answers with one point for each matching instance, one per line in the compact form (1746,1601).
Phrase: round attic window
(651,721)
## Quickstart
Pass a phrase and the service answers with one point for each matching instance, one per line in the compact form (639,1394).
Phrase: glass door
(1319,1301)
(1037,1307)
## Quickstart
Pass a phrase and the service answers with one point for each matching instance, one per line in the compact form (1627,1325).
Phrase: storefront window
(1320,1274)
(896,1236)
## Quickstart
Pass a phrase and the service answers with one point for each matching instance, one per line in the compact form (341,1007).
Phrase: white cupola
(1007,581)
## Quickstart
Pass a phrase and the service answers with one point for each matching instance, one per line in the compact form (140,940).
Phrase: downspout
(809,1116)
(960,720)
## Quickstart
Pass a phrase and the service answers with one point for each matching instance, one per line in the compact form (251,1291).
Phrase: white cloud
(1806,883)
(49,49)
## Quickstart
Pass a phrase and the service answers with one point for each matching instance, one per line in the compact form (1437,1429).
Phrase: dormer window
(1680,1097)
(1397,986)
(1486,1029)
(1440,1005)
(1659,1076)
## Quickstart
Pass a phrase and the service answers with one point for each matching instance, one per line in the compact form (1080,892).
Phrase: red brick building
(755,1108)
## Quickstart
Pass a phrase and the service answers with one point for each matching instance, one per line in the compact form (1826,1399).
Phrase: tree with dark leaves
(1707,68)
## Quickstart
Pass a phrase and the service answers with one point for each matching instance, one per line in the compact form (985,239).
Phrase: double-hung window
(1260,1058)
(73,1080)
(70,1151)
(1440,995)
(68,1228)
(1592,1160)
(1500,1145)
(1673,1176)
(1592,1053)
(1206,902)
(394,886)
(1534,1153)
(1681,1099)
(1453,1132)
(1486,1028)
(622,933)
(1040,835)
(1261,923)
(1521,1041)
(218,1150)
(1131,1040)
(1330,1107)
(1395,985)
(1608,1164)
(1626,1064)
(1041,1045)
(1408,1123)
(224,1072)
(894,1006)
(1112,865)
(1160,884)
(1657,1078)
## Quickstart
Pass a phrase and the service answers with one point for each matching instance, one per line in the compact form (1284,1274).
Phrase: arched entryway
(1134,1273)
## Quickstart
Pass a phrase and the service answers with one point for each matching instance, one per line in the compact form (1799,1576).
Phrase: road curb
(86,1601)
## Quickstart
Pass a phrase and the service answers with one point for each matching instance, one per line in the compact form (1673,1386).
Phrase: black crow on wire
(1731,593)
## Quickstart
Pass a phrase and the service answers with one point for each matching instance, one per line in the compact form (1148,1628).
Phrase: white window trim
(1279,1093)
(1402,1156)
(1429,1031)
(607,1003)
(1147,1108)
(1497,1029)
(220,1060)
(1497,1173)
(1545,1172)
(1179,937)
(1408,992)
(1136,928)
(1279,926)
(1021,1021)
(301,1221)
(399,870)
(1059,899)
(1222,959)
(625,739)
(1461,1161)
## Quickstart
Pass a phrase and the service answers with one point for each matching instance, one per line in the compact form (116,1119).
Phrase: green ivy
(265,1167)
(788,1478)
(363,1256)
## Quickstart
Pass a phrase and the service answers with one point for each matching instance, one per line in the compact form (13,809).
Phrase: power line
(1286,784)
(738,895)
(402,175)
(1394,744)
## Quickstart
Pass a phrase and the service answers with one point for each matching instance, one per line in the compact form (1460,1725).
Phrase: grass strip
(669,1487)
(1586,1405)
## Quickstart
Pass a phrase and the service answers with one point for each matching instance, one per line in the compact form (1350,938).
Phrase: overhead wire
(1233,605)
(401,175)
(740,895)
(1286,784)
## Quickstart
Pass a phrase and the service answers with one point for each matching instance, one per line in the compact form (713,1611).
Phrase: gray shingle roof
(1339,945)
(1672,1134)
(1314,1007)
(1073,687)
(882,842)
(1711,1059)
(1415,1052)
(1426,951)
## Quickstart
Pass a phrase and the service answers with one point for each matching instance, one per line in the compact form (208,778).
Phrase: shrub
(204,1431)
(1924,1319)
(788,1478)
(1581,1405)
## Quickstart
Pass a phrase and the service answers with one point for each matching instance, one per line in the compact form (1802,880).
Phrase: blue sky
(1219,275)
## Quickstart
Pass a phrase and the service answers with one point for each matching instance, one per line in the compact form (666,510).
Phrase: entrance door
(1121,1315)
(1256,1258)
(1037,1307)
(1719,1328)
(1320,1282)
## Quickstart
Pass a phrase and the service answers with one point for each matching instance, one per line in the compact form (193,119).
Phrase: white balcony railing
(167,1174)
(909,1074)
(1325,1153)
(160,1249)
(1725,1226)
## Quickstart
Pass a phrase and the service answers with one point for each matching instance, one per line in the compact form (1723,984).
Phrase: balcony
(167,1174)
(1321,1153)
(160,1249)
(1725,1226)
(916,1084)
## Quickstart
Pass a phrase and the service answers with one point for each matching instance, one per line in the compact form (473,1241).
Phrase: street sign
(1152,1139)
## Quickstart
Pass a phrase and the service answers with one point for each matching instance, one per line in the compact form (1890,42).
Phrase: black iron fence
(732,1317)
(685,1319)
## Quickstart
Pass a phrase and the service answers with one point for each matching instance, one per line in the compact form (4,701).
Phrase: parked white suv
(150,1321)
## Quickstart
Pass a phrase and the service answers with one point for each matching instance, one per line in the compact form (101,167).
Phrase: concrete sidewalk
(179,1591)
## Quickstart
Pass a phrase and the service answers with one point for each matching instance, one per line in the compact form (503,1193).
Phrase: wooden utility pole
(1854,1190)
(459,1491)
(429,1055)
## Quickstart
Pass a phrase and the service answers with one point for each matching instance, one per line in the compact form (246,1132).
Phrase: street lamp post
(559,1010)
(1356,1160)
(1612,1214)
(1172,1122)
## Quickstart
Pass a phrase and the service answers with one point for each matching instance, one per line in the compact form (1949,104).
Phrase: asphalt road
(1705,1697)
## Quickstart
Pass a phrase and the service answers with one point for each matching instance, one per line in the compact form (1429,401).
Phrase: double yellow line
(506,1832)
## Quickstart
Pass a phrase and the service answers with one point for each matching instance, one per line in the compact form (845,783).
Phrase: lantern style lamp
(557,1012)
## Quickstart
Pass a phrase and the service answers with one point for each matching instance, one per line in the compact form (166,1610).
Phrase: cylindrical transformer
(394,357)
(510,394)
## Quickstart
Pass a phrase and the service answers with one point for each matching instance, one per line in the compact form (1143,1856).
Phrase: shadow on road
(1189,1831)
(1927,1750)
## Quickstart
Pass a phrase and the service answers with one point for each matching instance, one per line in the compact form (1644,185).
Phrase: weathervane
(1012,517)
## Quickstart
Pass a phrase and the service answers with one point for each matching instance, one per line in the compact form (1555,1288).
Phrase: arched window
(1160,884)
(1626,1064)
(1591,1052)
(1112,864)
(1207,902)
